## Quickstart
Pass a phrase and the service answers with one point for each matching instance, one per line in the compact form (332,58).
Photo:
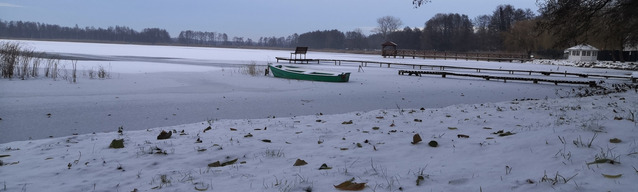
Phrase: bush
(102,73)
(251,69)
(17,61)
(9,58)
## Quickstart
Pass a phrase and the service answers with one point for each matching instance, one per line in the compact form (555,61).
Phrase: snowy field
(261,125)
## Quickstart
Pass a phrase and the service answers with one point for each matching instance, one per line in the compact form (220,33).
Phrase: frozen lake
(155,86)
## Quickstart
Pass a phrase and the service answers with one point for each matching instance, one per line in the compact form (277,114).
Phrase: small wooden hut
(389,48)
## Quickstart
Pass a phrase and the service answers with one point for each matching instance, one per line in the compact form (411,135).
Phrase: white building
(582,53)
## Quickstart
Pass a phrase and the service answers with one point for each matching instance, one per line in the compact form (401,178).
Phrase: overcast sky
(242,18)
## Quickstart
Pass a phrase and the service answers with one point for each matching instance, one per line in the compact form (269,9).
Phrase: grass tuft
(252,69)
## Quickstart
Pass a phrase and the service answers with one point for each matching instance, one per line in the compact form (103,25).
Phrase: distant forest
(506,29)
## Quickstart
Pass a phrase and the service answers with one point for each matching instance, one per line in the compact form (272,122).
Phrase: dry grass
(252,69)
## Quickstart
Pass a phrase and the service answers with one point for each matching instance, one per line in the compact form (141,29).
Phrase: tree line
(34,30)
(443,32)
(610,25)
(607,24)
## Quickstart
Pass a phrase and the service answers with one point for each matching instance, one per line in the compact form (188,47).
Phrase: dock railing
(476,56)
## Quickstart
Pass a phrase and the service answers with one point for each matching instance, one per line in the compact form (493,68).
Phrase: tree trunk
(620,53)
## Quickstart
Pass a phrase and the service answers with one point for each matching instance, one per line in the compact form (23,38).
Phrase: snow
(155,88)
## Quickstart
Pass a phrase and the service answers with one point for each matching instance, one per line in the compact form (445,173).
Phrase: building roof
(583,47)
(629,48)
(389,43)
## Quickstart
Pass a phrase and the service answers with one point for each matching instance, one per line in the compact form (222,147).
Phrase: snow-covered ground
(267,123)
(596,64)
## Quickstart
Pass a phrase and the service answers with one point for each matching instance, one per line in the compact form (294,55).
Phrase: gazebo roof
(389,43)
(583,47)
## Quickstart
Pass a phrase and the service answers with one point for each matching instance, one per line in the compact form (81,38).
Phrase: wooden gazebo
(389,48)
(582,52)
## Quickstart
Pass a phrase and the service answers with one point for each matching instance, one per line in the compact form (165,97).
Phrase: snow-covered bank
(555,145)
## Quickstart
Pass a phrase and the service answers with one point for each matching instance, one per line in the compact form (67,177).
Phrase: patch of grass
(274,153)
(420,176)
(25,69)
(605,156)
(9,58)
(579,142)
(21,62)
(51,68)
(592,124)
(252,69)
(557,179)
(164,180)
(102,73)
(74,71)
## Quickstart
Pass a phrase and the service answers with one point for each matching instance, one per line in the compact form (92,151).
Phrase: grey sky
(242,18)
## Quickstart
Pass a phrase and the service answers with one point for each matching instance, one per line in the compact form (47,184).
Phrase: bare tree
(387,25)
(448,32)
(418,3)
(522,36)
(355,39)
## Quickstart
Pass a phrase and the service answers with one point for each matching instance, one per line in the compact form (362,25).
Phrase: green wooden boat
(293,72)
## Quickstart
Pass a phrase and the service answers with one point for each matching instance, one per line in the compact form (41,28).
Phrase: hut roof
(389,43)
(583,47)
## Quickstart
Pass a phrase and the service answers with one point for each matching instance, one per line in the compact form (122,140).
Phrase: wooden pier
(488,77)
(295,60)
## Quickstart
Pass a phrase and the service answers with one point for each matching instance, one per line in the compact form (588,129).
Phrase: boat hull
(302,74)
